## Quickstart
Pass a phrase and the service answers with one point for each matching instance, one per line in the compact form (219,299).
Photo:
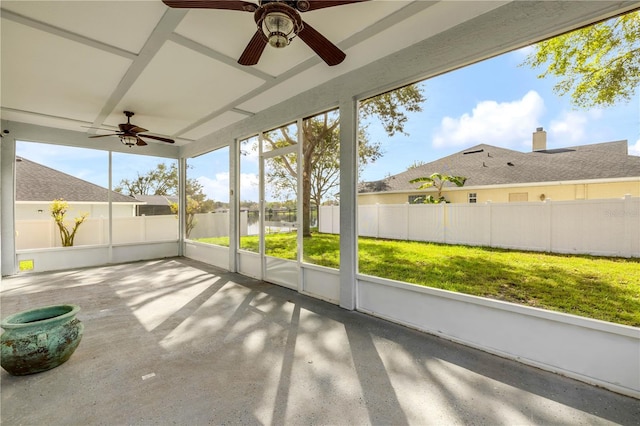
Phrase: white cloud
(217,188)
(635,149)
(569,129)
(249,189)
(249,150)
(507,124)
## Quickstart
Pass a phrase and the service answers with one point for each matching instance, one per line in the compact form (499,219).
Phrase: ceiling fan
(278,23)
(130,135)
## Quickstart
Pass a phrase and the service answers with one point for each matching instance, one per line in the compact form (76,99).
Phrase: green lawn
(602,288)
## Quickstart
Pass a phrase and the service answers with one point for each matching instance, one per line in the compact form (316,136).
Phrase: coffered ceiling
(77,64)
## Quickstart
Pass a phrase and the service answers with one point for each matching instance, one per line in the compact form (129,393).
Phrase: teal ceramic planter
(39,339)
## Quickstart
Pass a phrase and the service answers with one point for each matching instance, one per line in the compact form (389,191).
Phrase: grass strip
(602,288)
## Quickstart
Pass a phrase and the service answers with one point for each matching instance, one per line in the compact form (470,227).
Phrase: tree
(193,207)
(416,164)
(437,181)
(321,142)
(163,180)
(598,65)
(58,209)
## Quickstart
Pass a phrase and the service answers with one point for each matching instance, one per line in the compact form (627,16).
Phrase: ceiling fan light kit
(278,23)
(128,140)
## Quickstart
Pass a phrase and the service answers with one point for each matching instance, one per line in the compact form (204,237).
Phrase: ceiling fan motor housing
(301,5)
(278,22)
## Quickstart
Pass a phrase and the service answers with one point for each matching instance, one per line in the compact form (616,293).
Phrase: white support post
(234,205)
(110,208)
(300,203)
(182,206)
(7,205)
(348,203)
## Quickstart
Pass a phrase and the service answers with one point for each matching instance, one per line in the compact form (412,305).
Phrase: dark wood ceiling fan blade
(321,4)
(158,138)
(329,52)
(140,142)
(102,136)
(136,129)
(254,49)
(243,6)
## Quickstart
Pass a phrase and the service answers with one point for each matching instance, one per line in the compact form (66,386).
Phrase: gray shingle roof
(35,182)
(156,200)
(490,165)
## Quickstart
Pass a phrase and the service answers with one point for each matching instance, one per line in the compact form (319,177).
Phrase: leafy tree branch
(597,65)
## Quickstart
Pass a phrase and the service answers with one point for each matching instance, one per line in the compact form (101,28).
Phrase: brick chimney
(539,139)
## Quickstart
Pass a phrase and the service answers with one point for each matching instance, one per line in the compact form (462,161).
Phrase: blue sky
(496,102)
(499,103)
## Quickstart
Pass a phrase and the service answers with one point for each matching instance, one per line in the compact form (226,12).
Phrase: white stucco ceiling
(73,64)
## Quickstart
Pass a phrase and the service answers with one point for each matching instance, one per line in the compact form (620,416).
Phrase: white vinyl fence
(208,225)
(35,234)
(609,227)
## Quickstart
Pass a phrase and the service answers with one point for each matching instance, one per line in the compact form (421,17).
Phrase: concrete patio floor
(175,341)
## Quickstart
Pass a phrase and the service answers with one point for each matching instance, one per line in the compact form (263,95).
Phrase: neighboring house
(37,186)
(603,170)
(155,205)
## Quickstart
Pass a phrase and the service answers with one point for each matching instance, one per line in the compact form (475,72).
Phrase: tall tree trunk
(306,198)
(308,148)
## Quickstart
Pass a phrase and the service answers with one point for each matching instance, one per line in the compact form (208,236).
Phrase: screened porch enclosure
(217,110)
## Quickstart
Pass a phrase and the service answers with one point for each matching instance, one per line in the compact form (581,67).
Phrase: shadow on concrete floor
(175,341)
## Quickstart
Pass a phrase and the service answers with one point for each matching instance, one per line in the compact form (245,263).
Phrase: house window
(473,197)
(518,196)
(416,199)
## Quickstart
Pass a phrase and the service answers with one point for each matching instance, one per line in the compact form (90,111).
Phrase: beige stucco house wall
(557,191)
(586,172)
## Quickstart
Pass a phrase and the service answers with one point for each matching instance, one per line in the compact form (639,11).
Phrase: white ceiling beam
(12,16)
(204,50)
(388,21)
(156,40)
(241,111)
